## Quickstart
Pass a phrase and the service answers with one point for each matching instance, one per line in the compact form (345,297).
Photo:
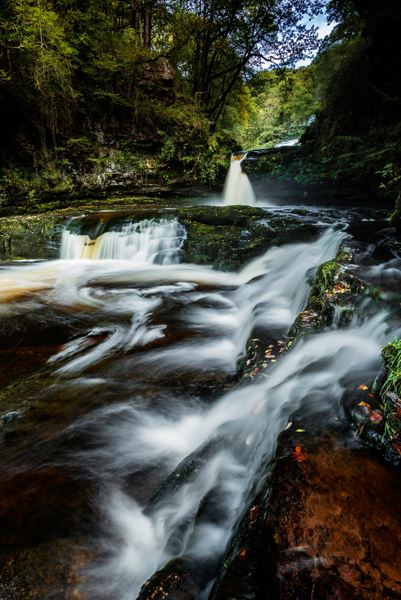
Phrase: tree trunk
(140,28)
(147,29)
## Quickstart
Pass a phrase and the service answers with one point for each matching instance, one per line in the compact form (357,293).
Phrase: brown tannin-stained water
(124,360)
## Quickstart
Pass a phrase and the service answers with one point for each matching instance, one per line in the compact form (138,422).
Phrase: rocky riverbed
(322,519)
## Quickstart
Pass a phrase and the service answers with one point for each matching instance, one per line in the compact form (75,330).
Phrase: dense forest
(145,84)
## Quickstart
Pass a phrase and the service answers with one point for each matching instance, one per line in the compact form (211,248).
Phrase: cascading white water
(148,241)
(126,304)
(238,188)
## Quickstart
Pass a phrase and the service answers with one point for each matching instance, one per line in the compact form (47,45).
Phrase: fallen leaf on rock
(298,455)
(242,555)
(362,387)
(300,430)
(253,513)
(375,416)
(397,447)
(371,395)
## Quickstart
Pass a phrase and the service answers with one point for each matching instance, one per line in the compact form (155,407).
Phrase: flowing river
(138,356)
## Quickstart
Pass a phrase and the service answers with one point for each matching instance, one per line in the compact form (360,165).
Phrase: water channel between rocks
(125,436)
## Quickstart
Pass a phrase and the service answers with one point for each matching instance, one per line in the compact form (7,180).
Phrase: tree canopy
(66,61)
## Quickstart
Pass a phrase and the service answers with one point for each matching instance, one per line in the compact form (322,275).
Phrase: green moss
(229,237)
(395,220)
(325,279)
(236,216)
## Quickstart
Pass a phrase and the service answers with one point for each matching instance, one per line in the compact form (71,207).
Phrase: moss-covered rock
(395,220)
(29,237)
(229,237)
(331,286)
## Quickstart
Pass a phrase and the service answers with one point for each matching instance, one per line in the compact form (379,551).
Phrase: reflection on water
(137,339)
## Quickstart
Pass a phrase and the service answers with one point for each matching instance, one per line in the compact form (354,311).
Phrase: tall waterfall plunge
(149,241)
(238,188)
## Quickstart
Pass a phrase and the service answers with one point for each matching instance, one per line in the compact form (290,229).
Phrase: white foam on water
(118,300)
(269,291)
(147,241)
(312,370)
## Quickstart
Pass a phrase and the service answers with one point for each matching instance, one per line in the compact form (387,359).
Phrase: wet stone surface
(229,237)
(338,521)
(325,522)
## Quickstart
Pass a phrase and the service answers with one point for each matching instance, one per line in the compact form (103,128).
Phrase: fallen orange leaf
(242,555)
(371,395)
(375,416)
(253,513)
(362,387)
(299,456)
(397,447)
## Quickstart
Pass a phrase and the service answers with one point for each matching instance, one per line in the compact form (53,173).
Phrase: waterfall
(149,241)
(139,412)
(238,188)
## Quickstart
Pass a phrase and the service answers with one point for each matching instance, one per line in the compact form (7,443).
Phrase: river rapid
(140,352)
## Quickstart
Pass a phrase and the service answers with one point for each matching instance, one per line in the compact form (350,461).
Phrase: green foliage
(356,134)
(208,168)
(168,150)
(392,357)
(66,62)
(391,390)
(281,102)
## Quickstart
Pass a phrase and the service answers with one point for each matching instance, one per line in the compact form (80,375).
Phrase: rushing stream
(150,338)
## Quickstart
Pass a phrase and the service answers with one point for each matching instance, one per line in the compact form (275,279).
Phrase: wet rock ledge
(228,237)
(224,237)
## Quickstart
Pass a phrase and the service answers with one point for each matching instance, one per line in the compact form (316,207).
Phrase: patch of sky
(324,29)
